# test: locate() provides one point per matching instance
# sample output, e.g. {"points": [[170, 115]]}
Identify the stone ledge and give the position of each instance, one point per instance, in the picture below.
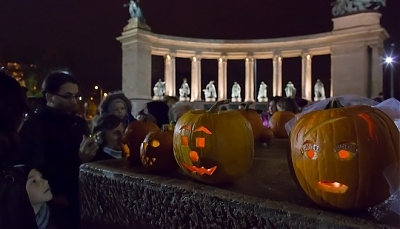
{"points": [[116, 195]]}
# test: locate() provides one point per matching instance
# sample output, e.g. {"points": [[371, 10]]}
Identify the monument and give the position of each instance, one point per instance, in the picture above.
{"points": [[236, 89], [159, 90], [262, 93], [137, 19], [209, 92], [319, 91], [184, 91], [290, 90]]}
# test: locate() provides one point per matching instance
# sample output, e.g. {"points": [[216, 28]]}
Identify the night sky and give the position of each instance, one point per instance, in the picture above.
{"points": [[81, 34]]}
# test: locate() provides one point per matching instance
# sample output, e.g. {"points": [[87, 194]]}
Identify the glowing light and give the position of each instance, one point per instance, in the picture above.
{"points": [[91, 98], [96, 87], [105, 94], [389, 60], [80, 98]]}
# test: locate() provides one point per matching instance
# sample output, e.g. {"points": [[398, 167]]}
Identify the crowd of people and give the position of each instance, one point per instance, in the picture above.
{"points": [[41, 151]]}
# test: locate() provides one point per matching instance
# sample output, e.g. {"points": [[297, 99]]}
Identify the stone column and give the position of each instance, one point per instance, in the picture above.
{"points": [[222, 79], [249, 80], [349, 69], [376, 70], [169, 75], [277, 76], [196, 79], [306, 81]]}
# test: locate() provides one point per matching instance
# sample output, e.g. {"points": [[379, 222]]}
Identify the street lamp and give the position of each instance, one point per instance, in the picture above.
{"points": [[389, 61], [101, 91]]}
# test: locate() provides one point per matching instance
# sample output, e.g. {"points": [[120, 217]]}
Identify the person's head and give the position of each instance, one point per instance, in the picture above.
{"points": [[170, 100], [178, 109], [116, 103], [13, 105], [111, 130], [287, 104], [159, 110], [272, 104], [61, 91], [38, 189], [242, 106]]}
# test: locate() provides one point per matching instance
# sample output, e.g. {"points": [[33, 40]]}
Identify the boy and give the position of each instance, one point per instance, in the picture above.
{"points": [[39, 193]]}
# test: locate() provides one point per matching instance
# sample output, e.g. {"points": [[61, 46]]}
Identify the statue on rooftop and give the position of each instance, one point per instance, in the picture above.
{"points": [[290, 90], [342, 7], [135, 11], [319, 91]]}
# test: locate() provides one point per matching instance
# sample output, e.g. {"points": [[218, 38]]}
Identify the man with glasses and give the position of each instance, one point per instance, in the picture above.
{"points": [[56, 141]]}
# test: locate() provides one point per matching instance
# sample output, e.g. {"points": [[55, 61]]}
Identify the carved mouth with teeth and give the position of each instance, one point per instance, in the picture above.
{"points": [[200, 170], [332, 187], [148, 160]]}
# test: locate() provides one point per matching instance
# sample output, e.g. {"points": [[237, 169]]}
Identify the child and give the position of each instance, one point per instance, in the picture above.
{"points": [[39, 193]]}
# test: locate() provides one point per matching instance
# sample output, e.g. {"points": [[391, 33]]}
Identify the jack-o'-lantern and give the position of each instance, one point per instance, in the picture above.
{"points": [[135, 134], [254, 119], [277, 123], [266, 135], [213, 146], [338, 155], [156, 152]]}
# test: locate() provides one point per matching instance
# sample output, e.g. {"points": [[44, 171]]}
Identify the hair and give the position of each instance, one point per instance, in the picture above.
{"points": [[177, 109], [13, 106], [159, 110], [288, 104], [53, 82], [104, 106], [106, 122], [275, 99], [170, 100]]}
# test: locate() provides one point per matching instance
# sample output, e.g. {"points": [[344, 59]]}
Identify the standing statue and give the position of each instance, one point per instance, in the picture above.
{"points": [[262, 93], [159, 90], [290, 90], [135, 11], [210, 93], [341, 7], [184, 91], [236, 89], [319, 91]]}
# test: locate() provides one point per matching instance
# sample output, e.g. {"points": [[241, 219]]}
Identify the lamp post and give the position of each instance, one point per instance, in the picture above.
{"points": [[389, 61], [101, 92]]}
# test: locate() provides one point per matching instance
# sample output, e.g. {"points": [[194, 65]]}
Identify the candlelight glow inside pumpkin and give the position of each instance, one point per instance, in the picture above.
{"points": [[338, 155], [213, 146]]}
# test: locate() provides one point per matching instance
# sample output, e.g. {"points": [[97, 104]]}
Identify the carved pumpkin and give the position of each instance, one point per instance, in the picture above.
{"points": [[135, 134], [213, 146], [254, 119], [338, 155], [277, 123], [156, 151], [266, 135]]}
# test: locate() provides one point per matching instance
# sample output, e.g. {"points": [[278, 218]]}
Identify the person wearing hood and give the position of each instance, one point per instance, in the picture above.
{"points": [[159, 110], [118, 104]]}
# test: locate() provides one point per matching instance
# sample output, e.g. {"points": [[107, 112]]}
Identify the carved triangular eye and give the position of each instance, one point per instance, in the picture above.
{"points": [[155, 143]]}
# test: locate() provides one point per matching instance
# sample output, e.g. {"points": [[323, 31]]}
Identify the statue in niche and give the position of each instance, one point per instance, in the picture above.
{"points": [[262, 93], [236, 89], [159, 90], [290, 90], [184, 91], [341, 7], [135, 11], [319, 91], [210, 93]]}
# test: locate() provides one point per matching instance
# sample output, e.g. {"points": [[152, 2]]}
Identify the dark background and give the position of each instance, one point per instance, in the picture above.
{"points": [[81, 35]]}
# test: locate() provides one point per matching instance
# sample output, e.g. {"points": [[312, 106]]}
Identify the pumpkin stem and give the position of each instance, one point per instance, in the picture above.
{"points": [[247, 106], [215, 107], [334, 103]]}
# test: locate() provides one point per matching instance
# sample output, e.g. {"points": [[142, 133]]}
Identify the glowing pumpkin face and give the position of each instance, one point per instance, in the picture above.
{"points": [[213, 146], [338, 156], [156, 152]]}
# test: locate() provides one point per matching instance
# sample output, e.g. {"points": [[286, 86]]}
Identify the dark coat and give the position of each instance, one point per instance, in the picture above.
{"points": [[50, 142]]}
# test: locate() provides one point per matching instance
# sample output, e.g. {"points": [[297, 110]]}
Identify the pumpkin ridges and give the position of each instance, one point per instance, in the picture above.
{"points": [[254, 119], [277, 123]]}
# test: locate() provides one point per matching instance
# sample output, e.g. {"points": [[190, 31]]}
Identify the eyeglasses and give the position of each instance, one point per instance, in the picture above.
{"points": [[69, 97]]}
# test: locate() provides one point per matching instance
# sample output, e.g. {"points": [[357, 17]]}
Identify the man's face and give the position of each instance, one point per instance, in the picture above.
{"points": [[66, 99]]}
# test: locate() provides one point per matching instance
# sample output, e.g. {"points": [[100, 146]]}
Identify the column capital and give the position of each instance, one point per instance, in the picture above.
{"points": [[222, 59], [277, 57], [195, 58], [249, 59], [306, 55], [169, 56]]}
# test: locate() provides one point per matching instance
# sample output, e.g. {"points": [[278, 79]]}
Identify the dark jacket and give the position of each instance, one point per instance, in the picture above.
{"points": [[50, 142]]}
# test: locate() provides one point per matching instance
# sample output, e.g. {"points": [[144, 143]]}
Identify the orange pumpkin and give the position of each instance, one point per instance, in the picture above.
{"points": [[135, 134], [338, 155], [277, 123], [266, 135], [254, 119], [156, 151], [213, 146]]}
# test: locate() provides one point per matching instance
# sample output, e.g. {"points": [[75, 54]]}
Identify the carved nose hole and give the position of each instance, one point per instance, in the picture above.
{"points": [[193, 156]]}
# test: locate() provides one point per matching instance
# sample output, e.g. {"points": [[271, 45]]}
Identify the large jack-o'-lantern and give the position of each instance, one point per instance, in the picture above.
{"points": [[338, 155], [213, 146], [156, 151]]}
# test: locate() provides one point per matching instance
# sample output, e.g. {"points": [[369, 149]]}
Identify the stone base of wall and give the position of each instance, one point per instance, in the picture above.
{"points": [[116, 195]]}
